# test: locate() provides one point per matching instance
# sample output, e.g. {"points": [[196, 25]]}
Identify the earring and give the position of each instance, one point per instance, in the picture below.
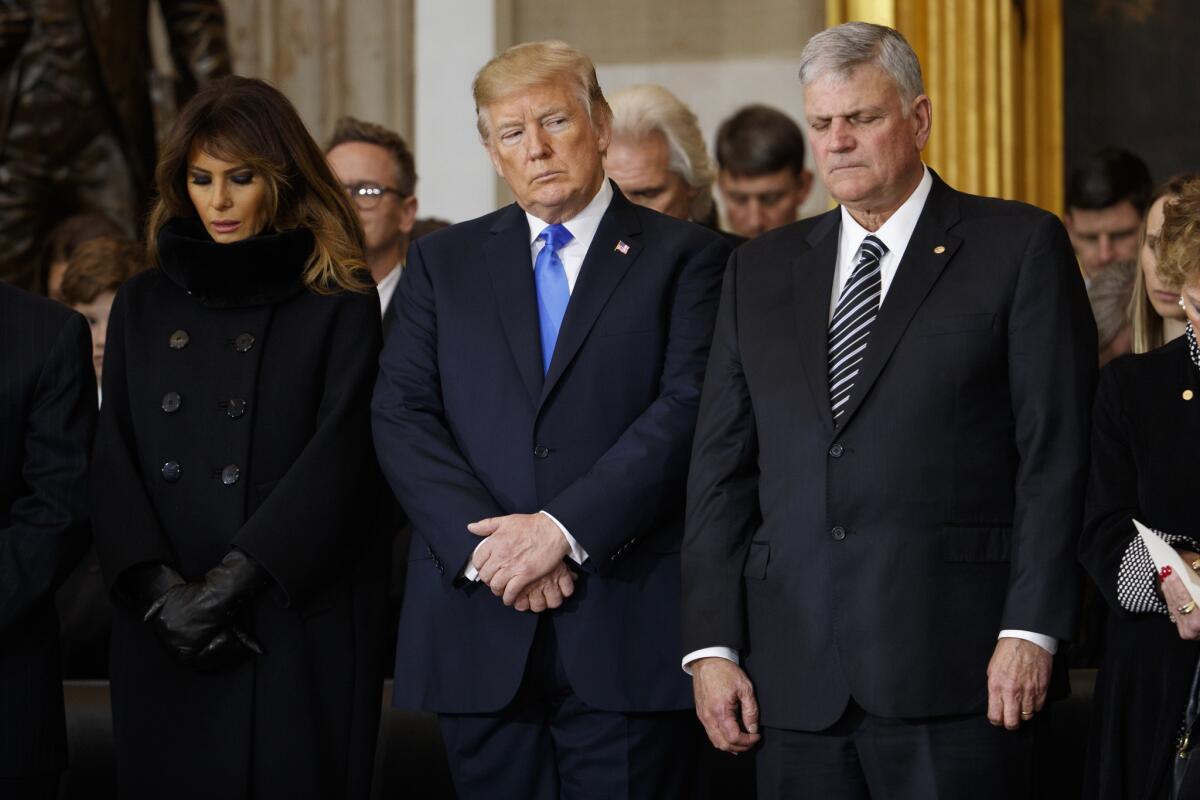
{"points": [[1181, 305]]}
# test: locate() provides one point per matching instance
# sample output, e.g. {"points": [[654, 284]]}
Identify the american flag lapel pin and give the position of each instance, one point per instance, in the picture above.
{"points": [[622, 248]]}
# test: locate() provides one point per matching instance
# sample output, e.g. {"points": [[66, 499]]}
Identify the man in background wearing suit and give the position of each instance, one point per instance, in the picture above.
{"points": [[47, 417], [889, 466], [534, 413], [377, 170]]}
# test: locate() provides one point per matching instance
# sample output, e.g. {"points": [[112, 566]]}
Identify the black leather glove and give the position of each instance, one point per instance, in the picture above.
{"points": [[195, 620]]}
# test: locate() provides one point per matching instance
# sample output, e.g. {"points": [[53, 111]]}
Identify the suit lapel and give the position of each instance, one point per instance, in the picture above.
{"points": [[812, 287], [603, 267], [915, 276], [511, 268]]}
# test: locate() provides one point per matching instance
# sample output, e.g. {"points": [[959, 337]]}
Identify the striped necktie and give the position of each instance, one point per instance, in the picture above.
{"points": [[856, 309]]}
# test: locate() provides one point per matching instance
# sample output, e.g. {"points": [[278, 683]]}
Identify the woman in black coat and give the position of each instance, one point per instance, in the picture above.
{"points": [[1146, 430], [237, 495]]}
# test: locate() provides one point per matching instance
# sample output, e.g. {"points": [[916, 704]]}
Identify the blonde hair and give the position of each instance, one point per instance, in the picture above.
{"points": [[532, 64], [1145, 321], [248, 121], [642, 111], [1178, 247]]}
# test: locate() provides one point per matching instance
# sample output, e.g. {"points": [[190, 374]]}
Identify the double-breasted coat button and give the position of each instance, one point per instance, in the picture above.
{"points": [[171, 402], [236, 407], [243, 342], [836, 451], [171, 471], [230, 475], [838, 533], [541, 451], [179, 340]]}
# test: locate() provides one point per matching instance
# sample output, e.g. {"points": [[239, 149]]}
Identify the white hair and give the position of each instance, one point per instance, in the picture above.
{"points": [[840, 49], [641, 111]]}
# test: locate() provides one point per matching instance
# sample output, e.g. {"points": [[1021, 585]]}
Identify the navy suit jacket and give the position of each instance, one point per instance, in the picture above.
{"points": [[47, 417], [467, 427], [880, 558]]}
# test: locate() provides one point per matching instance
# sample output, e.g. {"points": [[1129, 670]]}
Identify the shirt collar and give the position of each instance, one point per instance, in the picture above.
{"points": [[584, 224], [899, 227]]}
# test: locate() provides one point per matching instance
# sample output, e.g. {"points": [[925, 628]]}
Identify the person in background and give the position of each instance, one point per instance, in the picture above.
{"points": [[237, 499], [96, 269], [760, 170], [1107, 196], [657, 154], [62, 241], [1109, 297], [1155, 313], [1145, 427], [378, 172]]}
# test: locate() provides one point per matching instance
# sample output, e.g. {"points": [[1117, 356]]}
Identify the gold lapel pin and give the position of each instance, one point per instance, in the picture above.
{"points": [[1188, 394], [941, 248]]}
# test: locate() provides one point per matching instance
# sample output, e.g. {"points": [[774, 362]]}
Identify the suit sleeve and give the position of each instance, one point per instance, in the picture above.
{"points": [[1052, 375], [631, 485], [46, 530], [317, 518], [722, 493], [431, 478], [198, 42], [125, 527]]}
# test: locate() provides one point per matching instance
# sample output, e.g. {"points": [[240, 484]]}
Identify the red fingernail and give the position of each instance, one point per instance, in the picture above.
{"points": [[1166, 571]]}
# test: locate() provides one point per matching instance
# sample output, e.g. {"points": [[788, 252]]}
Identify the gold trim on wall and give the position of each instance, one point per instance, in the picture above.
{"points": [[994, 73]]}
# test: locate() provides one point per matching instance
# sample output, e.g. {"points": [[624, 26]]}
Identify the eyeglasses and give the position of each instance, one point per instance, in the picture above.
{"points": [[368, 195]]}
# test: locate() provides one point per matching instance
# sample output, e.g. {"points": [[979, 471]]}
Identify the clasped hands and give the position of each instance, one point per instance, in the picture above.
{"points": [[1179, 601], [521, 561], [195, 620]]}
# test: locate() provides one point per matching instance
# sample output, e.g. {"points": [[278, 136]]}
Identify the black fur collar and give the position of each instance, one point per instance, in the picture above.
{"points": [[262, 270]]}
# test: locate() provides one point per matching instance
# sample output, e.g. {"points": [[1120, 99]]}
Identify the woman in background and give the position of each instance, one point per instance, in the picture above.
{"points": [[1154, 313], [236, 494], [1146, 426]]}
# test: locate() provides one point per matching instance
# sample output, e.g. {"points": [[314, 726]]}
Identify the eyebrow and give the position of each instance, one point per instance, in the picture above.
{"points": [[239, 168], [854, 112]]}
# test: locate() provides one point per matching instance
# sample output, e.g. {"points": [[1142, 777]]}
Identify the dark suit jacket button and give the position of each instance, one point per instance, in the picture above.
{"points": [[171, 471], [171, 402], [541, 452], [243, 342], [838, 533], [230, 475], [836, 451], [236, 407], [179, 340]]}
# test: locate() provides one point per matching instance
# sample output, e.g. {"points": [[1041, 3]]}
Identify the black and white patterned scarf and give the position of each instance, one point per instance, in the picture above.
{"points": [[1193, 348]]}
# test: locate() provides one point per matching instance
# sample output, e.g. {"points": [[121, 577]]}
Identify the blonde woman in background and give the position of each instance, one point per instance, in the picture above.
{"points": [[1154, 311]]}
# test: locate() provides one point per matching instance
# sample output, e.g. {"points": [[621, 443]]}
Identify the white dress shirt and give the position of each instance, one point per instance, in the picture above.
{"points": [[387, 287], [583, 229], [895, 233]]}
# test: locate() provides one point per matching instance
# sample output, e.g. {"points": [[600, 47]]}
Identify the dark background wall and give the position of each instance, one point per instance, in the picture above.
{"points": [[1132, 72]]}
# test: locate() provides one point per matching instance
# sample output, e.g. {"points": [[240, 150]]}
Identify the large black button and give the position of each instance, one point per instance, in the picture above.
{"points": [[171, 471], [243, 342], [838, 533], [541, 452], [171, 402], [230, 475], [236, 407], [179, 340], [836, 451]]}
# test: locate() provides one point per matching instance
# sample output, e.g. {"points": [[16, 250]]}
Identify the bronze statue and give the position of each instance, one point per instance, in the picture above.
{"points": [[76, 121]]}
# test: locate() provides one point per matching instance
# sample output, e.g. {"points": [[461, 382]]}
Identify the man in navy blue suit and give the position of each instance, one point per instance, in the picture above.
{"points": [[534, 415]]}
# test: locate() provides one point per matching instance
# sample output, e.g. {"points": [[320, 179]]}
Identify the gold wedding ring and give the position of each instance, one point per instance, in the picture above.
{"points": [[1195, 565], [1026, 715], [1187, 607]]}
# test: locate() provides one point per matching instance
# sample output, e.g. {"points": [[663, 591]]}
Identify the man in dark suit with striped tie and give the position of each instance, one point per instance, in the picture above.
{"points": [[888, 473], [47, 416]]}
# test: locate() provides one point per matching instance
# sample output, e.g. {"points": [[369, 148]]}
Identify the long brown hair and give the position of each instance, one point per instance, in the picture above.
{"points": [[1145, 322], [246, 120]]}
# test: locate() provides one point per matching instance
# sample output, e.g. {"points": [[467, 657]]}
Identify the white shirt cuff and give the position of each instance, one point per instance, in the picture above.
{"points": [[710, 652], [577, 554], [1047, 643]]}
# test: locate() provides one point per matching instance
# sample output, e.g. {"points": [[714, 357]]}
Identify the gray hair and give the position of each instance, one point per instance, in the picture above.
{"points": [[842, 48], [641, 111], [1109, 297]]}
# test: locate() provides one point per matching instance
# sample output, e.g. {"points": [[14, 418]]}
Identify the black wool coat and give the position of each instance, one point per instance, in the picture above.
{"points": [[236, 414], [1145, 429]]}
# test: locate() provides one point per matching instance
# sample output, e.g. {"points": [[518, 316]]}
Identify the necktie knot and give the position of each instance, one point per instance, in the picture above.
{"points": [[555, 236], [872, 247]]}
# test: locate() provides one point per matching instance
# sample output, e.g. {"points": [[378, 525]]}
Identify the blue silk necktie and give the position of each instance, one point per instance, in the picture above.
{"points": [[553, 293]]}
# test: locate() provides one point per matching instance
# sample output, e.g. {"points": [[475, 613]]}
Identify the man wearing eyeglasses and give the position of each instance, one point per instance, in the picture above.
{"points": [[376, 167]]}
